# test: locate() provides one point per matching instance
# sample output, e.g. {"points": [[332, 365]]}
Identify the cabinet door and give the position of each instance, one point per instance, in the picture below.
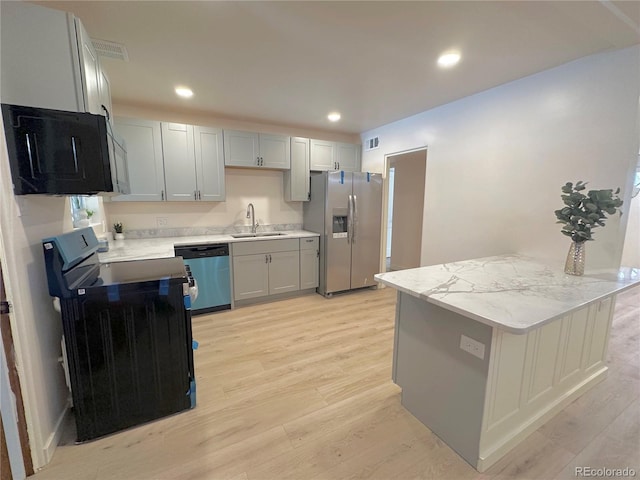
{"points": [[275, 151], [323, 155], [179, 162], [348, 157], [309, 269], [105, 93], [209, 164], [296, 179], [284, 272], [40, 60], [143, 140], [250, 276], [240, 149], [90, 71]]}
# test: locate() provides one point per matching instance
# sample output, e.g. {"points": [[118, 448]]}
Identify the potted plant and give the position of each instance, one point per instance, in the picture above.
{"points": [[118, 229], [581, 214]]}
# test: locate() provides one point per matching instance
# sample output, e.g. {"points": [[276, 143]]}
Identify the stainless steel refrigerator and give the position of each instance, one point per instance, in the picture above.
{"points": [[346, 210]]}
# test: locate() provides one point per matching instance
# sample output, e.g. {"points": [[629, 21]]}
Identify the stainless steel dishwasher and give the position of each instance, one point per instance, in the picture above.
{"points": [[209, 264]]}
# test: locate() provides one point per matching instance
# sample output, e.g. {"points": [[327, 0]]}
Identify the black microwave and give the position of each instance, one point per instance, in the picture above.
{"points": [[62, 153]]}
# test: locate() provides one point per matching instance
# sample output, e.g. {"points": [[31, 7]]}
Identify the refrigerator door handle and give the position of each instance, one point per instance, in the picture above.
{"points": [[349, 219], [354, 218]]}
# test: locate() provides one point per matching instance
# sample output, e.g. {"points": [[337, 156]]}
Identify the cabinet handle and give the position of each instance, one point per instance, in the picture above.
{"points": [[338, 165], [75, 155], [199, 195], [317, 253], [269, 258], [33, 175], [266, 258], [162, 195], [195, 194]]}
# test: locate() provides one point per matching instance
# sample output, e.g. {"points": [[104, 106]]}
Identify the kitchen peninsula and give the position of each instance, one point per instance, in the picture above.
{"points": [[487, 350]]}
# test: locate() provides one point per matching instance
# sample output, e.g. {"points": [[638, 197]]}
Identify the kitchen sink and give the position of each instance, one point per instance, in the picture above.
{"points": [[250, 235]]}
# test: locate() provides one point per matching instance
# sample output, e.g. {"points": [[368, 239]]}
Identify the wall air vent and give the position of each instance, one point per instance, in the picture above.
{"points": [[105, 48], [372, 143]]}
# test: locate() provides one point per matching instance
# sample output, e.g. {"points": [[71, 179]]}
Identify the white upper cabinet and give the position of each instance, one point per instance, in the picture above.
{"points": [[143, 141], [323, 155], [329, 156], [348, 157], [105, 94], [296, 180], [256, 150], [48, 60], [172, 161], [209, 163], [90, 71], [275, 151], [179, 162]]}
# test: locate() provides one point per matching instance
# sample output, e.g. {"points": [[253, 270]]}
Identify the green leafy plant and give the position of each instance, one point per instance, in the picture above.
{"points": [[584, 212], [118, 227], [90, 213]]}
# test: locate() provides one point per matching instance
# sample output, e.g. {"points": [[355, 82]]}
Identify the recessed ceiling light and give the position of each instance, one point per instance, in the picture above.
{"points": [[184, 92], [333, 116], [448, 59]]}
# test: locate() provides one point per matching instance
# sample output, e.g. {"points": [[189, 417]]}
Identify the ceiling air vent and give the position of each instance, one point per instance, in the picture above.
{"points": [[372, 143], [105, 48]]}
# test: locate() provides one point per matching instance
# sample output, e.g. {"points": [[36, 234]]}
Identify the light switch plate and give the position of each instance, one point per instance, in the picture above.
{"points": [[472, 346]]}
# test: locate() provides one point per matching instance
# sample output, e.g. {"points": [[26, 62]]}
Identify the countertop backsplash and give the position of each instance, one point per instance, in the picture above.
{"points": [[212, 230]]}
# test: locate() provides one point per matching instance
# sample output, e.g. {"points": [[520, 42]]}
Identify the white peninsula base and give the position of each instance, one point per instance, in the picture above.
{"points": [[524, 360]]}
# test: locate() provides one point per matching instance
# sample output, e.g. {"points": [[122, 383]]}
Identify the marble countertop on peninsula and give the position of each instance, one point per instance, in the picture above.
{"points": [[162, 247], [513, 292]]}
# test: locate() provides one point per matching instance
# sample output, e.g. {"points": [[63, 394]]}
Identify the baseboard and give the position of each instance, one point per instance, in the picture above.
{"points": [[54, 439], [488, 458]]}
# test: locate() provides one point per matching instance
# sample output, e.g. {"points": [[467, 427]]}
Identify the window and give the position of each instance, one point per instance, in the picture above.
{"points": [[86, 211]]}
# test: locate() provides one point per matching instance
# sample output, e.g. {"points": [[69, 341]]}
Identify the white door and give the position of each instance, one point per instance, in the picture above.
{"points": [[323, 155], [296, 179], [348, 157], [90, 71], [143, 139], [209, 164], [179, 162], [284, 272], [250, 276], [241, 149], [275, 151], [105, 93]]}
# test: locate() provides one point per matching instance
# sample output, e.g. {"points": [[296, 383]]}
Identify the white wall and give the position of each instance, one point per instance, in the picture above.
{"points": [[36, 327], [497, 159], [264, 188]]}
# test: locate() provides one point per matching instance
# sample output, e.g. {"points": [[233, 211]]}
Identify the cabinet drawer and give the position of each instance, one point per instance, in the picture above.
{"points": [[265, 246], [309, 243]]}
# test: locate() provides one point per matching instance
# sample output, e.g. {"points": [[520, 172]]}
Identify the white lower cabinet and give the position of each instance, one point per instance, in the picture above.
{"points": [[265, 267], [250, 276], [309, 263]]}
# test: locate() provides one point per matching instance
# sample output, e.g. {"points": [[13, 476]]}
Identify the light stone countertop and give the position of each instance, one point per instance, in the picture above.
{"points": [[512, 292], [162, 247]]}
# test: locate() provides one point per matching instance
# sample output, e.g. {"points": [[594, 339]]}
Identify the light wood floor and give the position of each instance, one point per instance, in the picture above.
{"points": [[301, 389]]}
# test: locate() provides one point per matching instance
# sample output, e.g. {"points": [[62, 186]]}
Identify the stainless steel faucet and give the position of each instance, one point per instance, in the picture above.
{"points": [[251, 213]]}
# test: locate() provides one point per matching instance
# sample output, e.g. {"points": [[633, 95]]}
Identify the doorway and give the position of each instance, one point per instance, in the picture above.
{"points": [[406, 174]]}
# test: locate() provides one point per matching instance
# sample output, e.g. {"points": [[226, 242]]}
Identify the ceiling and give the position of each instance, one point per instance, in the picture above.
{"points": [[291, 63]]}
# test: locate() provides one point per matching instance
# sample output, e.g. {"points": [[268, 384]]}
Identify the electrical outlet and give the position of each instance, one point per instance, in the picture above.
{"points": [[472, 346], [162, 221]]}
